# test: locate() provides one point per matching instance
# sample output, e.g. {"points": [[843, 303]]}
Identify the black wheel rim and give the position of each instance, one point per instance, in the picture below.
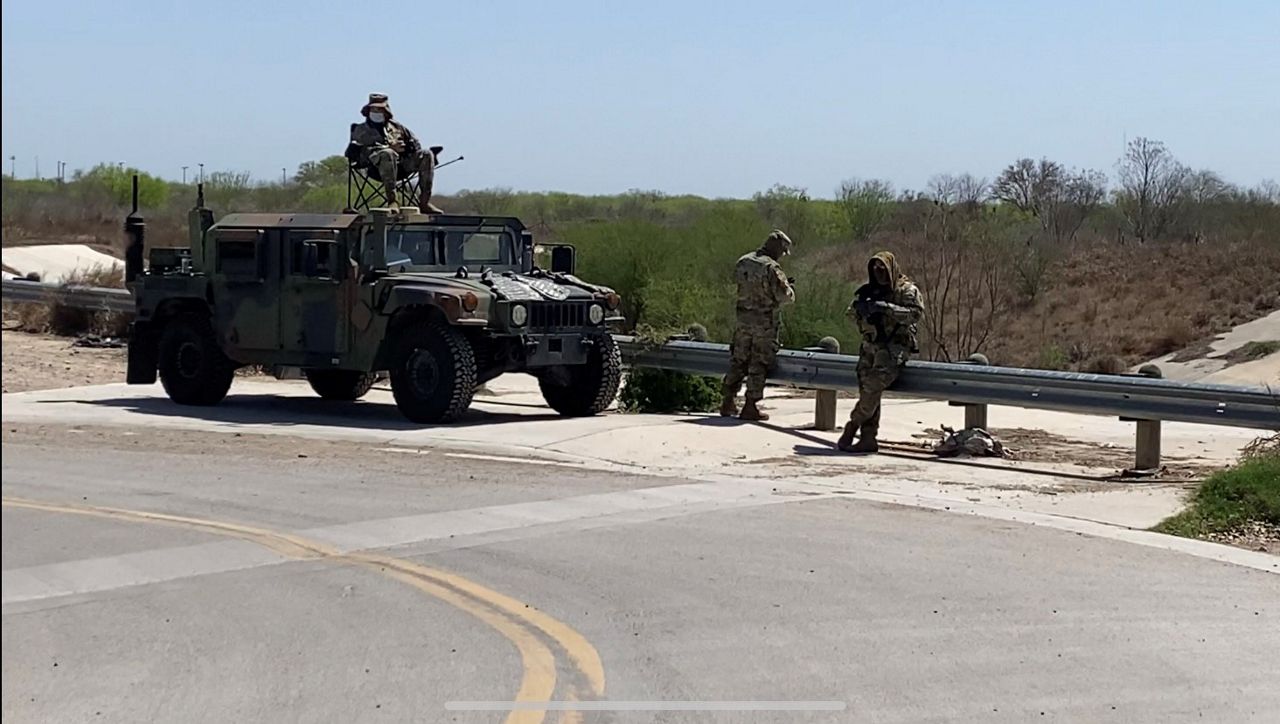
{"points": [[189, 359], [424, 373]]}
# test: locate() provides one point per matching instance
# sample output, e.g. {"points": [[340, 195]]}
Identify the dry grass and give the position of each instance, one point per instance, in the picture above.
{"points": [[1251, 351], [1103, 307], [1136, 303]]}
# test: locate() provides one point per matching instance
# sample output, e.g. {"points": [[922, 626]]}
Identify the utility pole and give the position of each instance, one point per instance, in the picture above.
{"points": [[37, 168], [13, 167], [283, 179], [184, 175], [202, 173]]}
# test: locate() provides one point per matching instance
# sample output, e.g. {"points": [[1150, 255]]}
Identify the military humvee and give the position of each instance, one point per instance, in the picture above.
{"points": [[440, 303]]}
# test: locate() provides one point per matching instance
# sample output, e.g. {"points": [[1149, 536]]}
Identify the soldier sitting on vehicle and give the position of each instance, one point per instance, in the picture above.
{"points": [[391, 148]]}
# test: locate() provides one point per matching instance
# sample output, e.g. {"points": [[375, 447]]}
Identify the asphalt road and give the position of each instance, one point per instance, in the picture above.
{"points": [[303, 581]]}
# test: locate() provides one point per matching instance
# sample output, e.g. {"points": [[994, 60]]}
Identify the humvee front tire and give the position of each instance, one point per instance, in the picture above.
{"points": [[433, 373], [192, 367], [341, 385], [591, 387]]}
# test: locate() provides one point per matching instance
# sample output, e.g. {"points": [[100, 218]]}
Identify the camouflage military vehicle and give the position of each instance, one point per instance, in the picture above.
{"points": [[440, 303]]}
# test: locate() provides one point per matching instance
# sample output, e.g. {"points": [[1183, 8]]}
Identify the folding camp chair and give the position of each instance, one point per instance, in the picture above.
{"points": [[365, 187]]}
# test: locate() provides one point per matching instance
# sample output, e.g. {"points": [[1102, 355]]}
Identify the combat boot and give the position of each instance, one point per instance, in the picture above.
{"points": [[845, 443], [865, 446], [751, 413], [728, 408], [425, 205], [389, 188]]}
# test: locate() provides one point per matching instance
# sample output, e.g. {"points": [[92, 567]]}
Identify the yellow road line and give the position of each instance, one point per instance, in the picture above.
{"points": [[493, 608], [584, 655]]}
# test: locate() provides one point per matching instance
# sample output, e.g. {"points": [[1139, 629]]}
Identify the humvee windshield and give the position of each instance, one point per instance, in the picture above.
{"points": [[424, 248]]}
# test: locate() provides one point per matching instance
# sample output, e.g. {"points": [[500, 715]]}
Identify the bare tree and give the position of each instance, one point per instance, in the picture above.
{"points": [[867, 205], [1018, 185], [962, 270], [963, 190], [1061, 200], [1153, 188], [1266, 192], [1206, 187]]}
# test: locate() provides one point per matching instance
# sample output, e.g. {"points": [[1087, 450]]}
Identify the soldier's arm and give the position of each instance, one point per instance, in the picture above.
{"points": [[782, 291], [911, 310], [856, 307], [410, 141], [852, 310], [363, 137]]}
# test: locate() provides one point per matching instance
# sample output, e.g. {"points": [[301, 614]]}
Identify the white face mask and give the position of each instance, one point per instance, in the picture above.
{"points": [[377, 117]]}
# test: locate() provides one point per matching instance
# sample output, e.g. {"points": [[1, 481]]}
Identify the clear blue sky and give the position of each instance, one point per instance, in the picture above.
{"points": [[712, 98]]}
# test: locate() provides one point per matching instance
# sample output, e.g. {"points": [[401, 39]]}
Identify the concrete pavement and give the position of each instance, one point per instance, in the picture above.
{"points": [[513, 422], [1213, 368], [734, 589]]}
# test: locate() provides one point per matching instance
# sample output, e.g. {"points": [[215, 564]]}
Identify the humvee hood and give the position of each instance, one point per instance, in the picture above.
{"points": [[523, 288], [512, 287]]}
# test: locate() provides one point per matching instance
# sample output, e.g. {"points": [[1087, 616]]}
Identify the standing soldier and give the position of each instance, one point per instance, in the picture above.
{"points": [[886, 309], [762, 290]]}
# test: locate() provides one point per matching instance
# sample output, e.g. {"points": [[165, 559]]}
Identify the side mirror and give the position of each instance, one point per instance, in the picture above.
{"points": [[563, 259]]}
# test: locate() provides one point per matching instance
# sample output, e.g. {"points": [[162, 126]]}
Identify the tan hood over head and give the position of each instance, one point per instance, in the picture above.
{"points": [[895, 274]]}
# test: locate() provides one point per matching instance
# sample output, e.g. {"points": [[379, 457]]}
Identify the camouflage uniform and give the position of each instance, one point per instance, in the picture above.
{"points": [[886, 316], [394, 151], [762, 290]]}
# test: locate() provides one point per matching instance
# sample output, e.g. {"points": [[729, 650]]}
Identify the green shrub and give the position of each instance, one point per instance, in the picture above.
{"points": [[1052, 358], [1247, 492], [666, 392]]}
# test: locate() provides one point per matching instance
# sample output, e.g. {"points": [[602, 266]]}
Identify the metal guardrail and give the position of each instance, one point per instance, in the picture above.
{"points": [[1125, 396], [111, 300], [1129, 397]]}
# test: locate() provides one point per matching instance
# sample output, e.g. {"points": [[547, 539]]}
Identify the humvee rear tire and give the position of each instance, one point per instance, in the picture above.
{"points": [[192, 367], [433, 373], [341, 385], [592, 386]]}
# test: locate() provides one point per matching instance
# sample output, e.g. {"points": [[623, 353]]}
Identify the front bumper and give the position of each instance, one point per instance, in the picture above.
{"points": [[551, 350]]}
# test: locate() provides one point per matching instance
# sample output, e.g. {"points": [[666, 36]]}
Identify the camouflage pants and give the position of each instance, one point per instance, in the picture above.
{"points": [[878, 367], [393, 166], [751, 355]]}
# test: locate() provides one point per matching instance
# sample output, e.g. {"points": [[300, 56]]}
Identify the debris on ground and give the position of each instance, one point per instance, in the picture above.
{"points": [[1254, 535], [95, 341], [1134, 473], [971, 441]]}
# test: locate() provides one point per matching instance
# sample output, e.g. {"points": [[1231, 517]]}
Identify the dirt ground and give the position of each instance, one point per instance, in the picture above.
{"points": [[42, 362]]}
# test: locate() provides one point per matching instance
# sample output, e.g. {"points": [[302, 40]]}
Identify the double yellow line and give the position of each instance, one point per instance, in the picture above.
{"points": [[524, 626]]}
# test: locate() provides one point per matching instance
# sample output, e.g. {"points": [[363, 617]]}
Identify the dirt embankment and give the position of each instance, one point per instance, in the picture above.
{"points": [[41, 362]]}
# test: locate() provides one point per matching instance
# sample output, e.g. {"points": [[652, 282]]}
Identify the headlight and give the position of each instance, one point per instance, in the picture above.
{"points": [[519, 314], [596, 313], [470, 301], [613, 300]]}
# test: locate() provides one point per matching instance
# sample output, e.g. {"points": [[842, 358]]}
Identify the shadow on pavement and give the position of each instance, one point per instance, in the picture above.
{"points": [[256, 409], [822, 447], [715, 421]]}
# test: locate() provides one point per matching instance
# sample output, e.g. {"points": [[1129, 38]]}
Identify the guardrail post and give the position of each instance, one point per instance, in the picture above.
{"points": [[975, 415], [1147, 443], [824, 405]]}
